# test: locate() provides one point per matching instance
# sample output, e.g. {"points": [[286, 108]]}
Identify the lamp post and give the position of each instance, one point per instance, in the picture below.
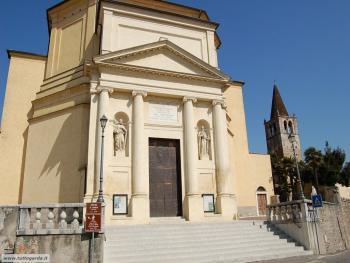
{"points": [[103, 122], [301, 195]]}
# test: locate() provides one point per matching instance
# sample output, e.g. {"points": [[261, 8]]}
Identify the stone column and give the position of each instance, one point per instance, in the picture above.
{"points": [[103, 101], [225, 203], [140, 200], [194, 203]]}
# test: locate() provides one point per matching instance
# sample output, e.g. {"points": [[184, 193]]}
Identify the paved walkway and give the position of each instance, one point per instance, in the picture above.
{"points": [[342, 257]]}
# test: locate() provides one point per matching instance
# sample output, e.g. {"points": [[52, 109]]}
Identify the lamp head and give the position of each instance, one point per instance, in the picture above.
{"points": [[103, 121]]}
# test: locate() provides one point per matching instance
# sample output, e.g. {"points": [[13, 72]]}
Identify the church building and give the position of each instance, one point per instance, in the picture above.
{"points": [[175, 140]]}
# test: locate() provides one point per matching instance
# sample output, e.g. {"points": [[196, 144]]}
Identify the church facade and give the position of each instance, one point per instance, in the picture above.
{"points": [[175, 142]]}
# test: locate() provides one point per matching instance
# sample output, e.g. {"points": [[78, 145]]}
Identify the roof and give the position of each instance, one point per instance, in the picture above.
{"points": [[278, 108], [11, 52], [160, 6]]}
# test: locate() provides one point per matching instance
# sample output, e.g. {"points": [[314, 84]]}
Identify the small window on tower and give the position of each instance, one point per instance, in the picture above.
{"points": [[285, 126]]}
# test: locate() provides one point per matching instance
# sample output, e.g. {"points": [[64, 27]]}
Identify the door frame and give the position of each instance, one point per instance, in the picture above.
{"points": [[257, 200], [178, 169]]}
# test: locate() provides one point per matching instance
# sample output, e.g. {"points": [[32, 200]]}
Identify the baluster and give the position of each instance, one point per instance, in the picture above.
{"points": [[75, 223], [289, 212], [63, 222], [50, 217], [37, 224]]}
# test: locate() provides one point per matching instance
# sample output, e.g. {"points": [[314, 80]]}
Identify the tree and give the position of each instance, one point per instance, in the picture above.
{"points": [[344, 177], [283, 176], [313, 160], [333, 161]]}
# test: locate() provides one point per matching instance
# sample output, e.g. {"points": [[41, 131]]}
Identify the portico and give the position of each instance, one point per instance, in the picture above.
{"points": [[175, 108]]}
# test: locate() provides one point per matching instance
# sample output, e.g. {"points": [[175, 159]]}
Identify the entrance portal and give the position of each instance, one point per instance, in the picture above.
{"points": [[164, 177]]}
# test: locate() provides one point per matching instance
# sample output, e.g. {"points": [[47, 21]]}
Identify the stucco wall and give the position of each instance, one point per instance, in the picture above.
{"points": [[25, 76], [249, 170], [56, 157]]}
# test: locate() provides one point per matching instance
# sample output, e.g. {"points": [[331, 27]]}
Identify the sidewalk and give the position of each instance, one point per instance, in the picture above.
{"points": [[341, 257]]}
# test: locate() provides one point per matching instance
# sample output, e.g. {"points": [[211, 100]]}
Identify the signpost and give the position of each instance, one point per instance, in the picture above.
{"points": [[93, 219], [316, 201]]}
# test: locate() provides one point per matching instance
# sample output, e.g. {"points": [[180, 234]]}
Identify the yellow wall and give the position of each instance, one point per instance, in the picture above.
{"points": [[25, 76], [72, 38], [56, 157], [249, 170]]}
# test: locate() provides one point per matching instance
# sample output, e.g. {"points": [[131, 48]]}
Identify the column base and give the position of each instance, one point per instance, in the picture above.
{"points": [[194, 208], [226, 205], [140, 208]]}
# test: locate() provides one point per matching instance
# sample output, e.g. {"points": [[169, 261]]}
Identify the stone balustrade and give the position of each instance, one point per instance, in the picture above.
{"points": [[47, 219], [289, 212]]}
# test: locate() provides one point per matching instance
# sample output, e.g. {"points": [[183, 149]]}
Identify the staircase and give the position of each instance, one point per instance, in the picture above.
{"points": [[178, 241]]}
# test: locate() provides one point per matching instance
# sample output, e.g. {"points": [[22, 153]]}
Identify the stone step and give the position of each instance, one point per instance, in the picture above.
{"points": [[169, 241], [187, 232], [167, 220], [184, 236], [216, 254], [214, 238], [162, 228], [174, 243], [142, 248]]}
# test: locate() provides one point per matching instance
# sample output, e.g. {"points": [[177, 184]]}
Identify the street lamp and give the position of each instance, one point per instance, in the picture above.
{"points": [[292, 140], [103, 122]]}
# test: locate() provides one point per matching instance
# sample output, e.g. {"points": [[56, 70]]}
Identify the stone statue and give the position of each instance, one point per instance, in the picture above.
{"points": [[120, 135], [203, 144]]}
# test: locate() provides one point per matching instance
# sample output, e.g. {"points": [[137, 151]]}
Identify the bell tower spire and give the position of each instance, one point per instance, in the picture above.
{"points": [[279, 127]]}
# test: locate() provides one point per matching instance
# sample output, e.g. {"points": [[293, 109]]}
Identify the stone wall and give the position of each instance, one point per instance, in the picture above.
{"points": [[332, 235], [61, 248], [323, 230], [8, 226]]}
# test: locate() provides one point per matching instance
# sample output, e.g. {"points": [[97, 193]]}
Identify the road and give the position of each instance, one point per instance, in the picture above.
{"points": [[343, 257]]}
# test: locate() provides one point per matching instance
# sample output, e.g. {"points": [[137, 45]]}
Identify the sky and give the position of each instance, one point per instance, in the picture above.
{"points": [[303, 45]]}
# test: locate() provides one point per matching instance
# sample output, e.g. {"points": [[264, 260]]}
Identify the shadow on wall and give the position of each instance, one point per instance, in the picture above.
{"points": [[67, 156]]}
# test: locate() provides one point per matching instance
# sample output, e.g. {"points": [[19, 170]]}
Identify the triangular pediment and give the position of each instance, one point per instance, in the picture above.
{"points": [[162, 56]]}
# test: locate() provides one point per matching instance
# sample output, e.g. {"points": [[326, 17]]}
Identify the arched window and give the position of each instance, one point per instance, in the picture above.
{"points": [[285, 126], [204, 140], [290, 126], [261, 189]]}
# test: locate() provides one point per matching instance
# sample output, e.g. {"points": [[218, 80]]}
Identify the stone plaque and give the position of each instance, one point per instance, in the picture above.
{"points": [[162, 113]]}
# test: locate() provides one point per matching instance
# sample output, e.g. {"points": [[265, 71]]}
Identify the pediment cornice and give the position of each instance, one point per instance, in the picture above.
{"points": [[115, 60]]}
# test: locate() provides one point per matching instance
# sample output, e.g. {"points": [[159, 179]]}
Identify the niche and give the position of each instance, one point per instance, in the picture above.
{"points": [[121, 135], [204, 140]]}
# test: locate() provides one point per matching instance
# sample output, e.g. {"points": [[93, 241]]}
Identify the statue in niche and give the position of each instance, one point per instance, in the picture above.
{"points": [[120, 135], [203, 144]]}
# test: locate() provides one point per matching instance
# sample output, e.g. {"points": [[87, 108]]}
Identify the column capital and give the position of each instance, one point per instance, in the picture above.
{"points": [[139, 92], [221, 102], [99, 89], [193, 99]]}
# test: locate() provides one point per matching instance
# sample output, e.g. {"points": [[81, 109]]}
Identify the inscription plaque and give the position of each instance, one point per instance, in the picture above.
{"points": [[162, 113]]}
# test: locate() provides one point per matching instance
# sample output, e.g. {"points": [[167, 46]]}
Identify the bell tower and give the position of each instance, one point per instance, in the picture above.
{"points": [[279, 128]]}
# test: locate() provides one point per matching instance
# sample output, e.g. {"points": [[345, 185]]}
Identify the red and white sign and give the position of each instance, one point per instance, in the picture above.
{"points": [[93, 217]]}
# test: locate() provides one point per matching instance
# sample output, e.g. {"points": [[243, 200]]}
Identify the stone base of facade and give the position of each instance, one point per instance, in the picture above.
{"points": [[140, 209], [226, 206], [193, 208]]}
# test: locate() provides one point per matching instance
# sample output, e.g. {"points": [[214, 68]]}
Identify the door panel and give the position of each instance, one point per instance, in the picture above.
{"points": [[262, 203], [165, 177]]}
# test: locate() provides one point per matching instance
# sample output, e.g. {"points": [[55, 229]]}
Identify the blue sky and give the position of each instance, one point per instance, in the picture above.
{"points": [[303, 45]]}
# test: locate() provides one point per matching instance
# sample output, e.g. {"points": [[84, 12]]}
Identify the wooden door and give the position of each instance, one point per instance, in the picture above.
{"points": [[164, 178], [262, 203]]}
